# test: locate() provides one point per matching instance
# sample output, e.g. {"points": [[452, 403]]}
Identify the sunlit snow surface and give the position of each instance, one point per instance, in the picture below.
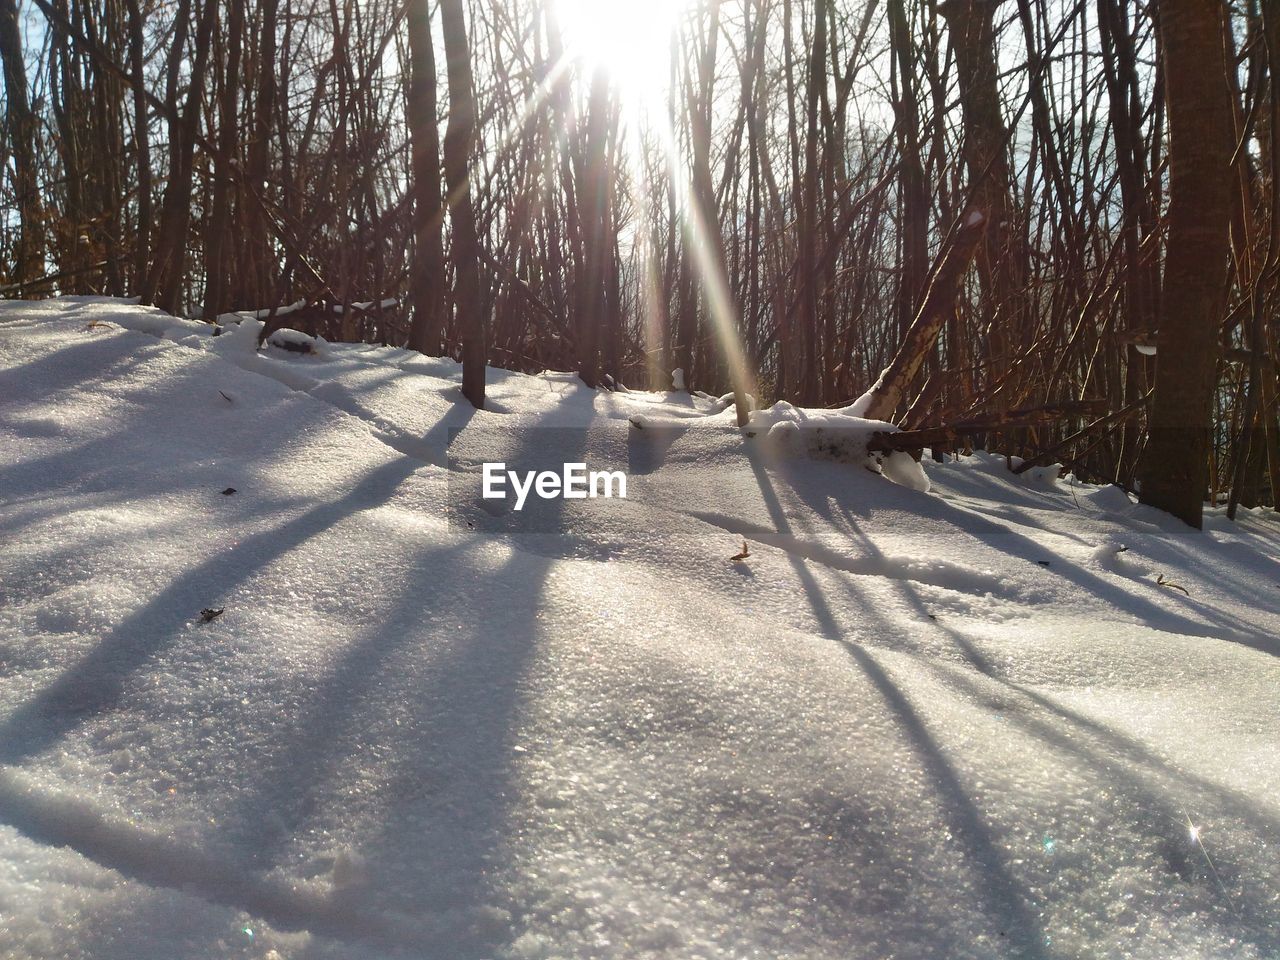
{"points": [[961, 723]]}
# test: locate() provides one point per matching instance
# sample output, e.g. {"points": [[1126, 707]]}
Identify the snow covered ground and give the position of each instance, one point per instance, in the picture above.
{"points": [[955, 723]]}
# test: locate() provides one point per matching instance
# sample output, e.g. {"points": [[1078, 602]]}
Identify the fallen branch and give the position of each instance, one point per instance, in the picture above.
{"points": [[55, 277], [1109, 420], [949, 434], [958, 250]]}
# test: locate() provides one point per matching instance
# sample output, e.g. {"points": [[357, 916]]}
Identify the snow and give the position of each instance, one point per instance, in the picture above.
{"points": [[833, 435], [296, 341], [961, 723], [860, 406], [265, 314], [903, 469], [728, 399]]}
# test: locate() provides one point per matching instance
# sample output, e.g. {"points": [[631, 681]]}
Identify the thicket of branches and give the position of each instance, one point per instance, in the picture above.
{"points": [[972, 193]]}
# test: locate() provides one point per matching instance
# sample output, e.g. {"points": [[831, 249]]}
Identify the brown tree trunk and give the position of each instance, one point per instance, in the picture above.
{"points": [[66, 102], [167, 275], [1001, 264], [20, 128], [459, 147], [341, 21], [141, 144], [1174, 465], [935, 309], [807, 217], [107, 120], [596, 249], [707, 243], [255, 283], [427, 279], [218, 239], [913, 196], [1120, 70]]}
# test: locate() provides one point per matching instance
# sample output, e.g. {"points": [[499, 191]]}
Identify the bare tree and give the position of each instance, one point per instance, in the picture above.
{"points": [[743, 225], [459, 148], [428, 277], [218, 256], [1174, 467], [20, 129]]}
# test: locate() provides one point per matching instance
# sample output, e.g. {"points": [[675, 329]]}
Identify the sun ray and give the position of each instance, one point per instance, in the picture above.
{"points": [[631, 41], [698, 239]]}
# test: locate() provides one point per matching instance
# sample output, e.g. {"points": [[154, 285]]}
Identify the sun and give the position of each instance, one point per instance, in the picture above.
{"points": [[630, 39]]}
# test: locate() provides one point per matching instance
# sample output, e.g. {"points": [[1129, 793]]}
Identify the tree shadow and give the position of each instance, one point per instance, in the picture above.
{"points": [[1008, 542], [1163, 538], [1004, 899], [97, 681], [453, 786], [462, 715], [647, 448], [445, 716], [1146, 778]]}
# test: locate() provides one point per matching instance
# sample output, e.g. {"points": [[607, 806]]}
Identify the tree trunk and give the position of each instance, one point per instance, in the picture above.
{"points": [[66, 102], [938, 304], [807, 216], [218, 238], [707, 239], [459, 146], [1001, 262], [1174, 465], [912, 193], [427, 278], [167, 275], [20, 127], [256, 280], [594, 196], [1120, 70], [141, 144]]}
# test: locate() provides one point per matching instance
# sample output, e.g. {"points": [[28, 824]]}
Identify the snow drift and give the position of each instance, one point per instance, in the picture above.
{"points": [[976, 722]]}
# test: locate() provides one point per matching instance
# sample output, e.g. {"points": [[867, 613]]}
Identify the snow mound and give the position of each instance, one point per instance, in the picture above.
{"points": [[295, 341], [964, 725], [794, 431]]}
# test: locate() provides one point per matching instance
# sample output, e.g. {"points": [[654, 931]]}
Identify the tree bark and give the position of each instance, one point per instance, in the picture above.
{"points": [[1174, 465], [427, 279], [256, 284], [936, 307], [1001, 263], [20, 126], [912, 192], [459, 147], [218, 238], [167, 275], [594, 195], [141, 144]]}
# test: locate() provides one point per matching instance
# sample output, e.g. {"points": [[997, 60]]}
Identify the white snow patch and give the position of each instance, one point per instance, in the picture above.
{"points": [[832, 435], [904, 470], [960, 725]]}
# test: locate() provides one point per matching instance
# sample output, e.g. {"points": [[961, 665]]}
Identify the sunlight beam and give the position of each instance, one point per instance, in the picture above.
{"points": [[711, 272]]}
